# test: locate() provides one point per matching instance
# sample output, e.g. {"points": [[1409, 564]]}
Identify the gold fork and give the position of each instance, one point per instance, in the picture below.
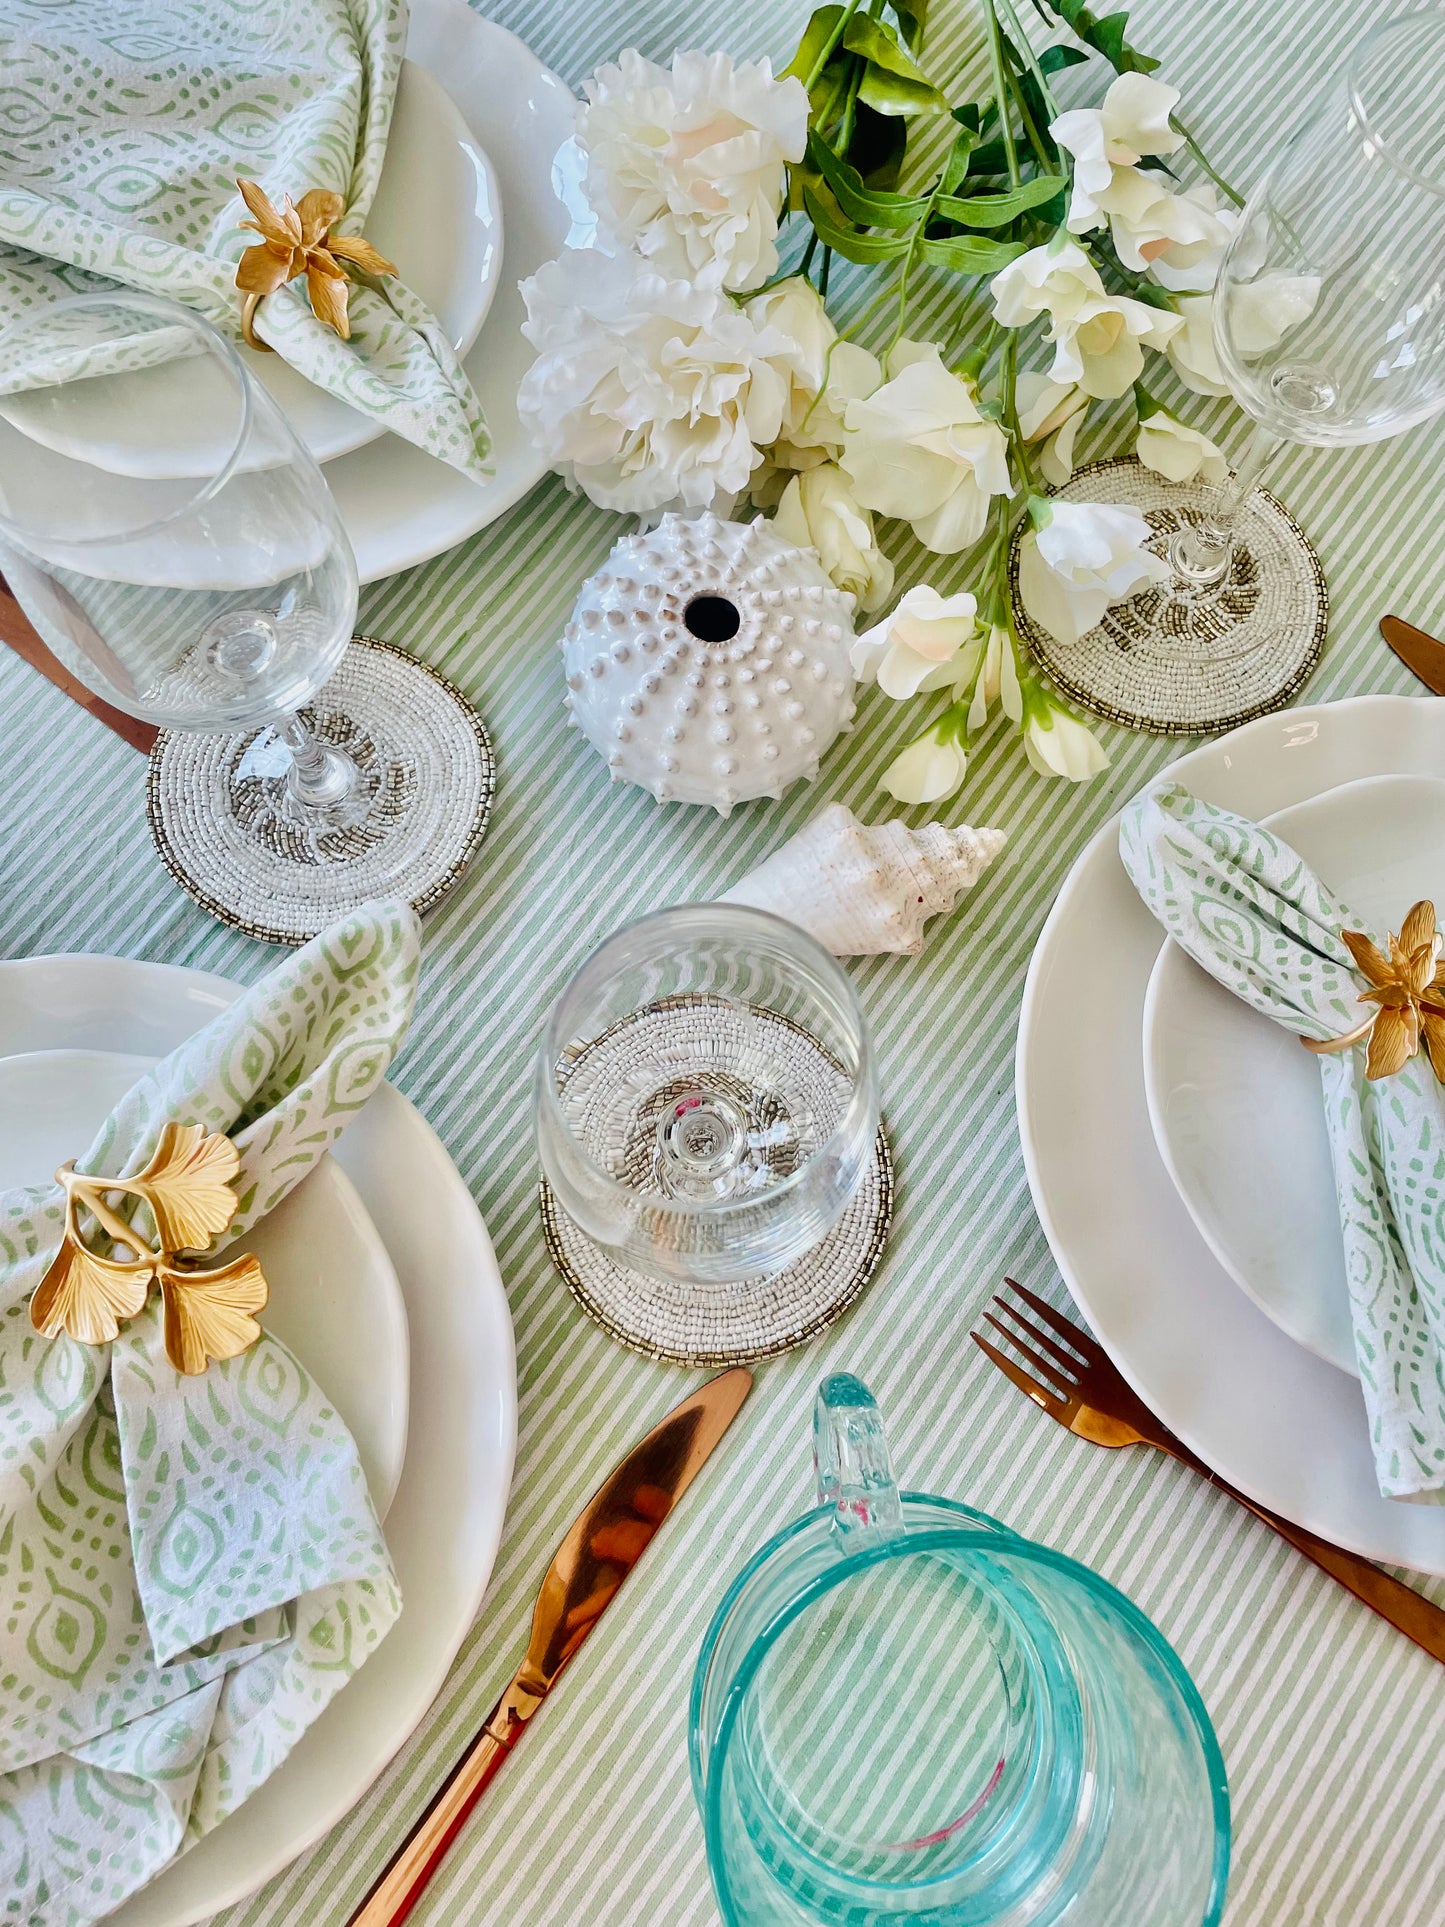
{"points": [[1078, 1384]]}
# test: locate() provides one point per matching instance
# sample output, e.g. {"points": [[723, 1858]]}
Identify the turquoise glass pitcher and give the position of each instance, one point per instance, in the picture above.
{"points": [[904, 1712]]}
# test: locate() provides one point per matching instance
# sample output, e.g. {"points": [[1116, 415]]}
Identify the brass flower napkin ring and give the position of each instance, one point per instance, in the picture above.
{"points": [[1407, 989], [296, 239], [187, 1188]]}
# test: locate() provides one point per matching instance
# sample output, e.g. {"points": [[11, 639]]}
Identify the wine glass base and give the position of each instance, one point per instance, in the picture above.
{"points": [[225, 827], [697, 1323], [1181, 660]]}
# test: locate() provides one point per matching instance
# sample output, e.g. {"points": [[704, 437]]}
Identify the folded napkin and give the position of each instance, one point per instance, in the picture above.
{"points": [[1251, 911], [121, 139], [190, 1567]]}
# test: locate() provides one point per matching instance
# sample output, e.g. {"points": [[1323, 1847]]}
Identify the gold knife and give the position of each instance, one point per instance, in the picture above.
{"points": [[1420, 653], [604, 1543]]}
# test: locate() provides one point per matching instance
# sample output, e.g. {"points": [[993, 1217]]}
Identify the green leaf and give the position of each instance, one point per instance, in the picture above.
{"points": [[959, 157], [997, 210], [870, 207], [816, 35], [1106, 36], [1054, 59], [893, 82], [989, 158], [878, 146], [966, 254], [912, 18], [847, 241]]}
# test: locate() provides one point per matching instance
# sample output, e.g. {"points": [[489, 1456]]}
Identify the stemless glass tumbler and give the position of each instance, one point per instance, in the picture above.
{"points": [[705, 1099], [903, 1712]]}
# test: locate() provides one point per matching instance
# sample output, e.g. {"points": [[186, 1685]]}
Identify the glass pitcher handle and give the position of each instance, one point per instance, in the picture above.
{"points": [[850, 1459]]}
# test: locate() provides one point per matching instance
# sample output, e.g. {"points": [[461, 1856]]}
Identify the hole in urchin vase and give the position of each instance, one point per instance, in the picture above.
{"points": [[712, 618]]}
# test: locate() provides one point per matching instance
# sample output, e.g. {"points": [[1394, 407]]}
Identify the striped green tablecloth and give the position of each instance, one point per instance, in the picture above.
{"points": [[1330, 1722]]}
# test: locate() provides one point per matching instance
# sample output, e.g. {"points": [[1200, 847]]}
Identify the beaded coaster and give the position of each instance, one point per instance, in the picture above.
{"points": [[1149, 663], [724, 1323], [219, 808]]}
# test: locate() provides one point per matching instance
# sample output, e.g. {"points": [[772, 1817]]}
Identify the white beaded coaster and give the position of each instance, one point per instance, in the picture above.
{"points": [[718, 1324], [1148, 664], [218, 815]]}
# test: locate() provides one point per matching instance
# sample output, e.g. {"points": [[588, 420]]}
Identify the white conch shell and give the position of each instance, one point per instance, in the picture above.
{"points": [[860, 888]]}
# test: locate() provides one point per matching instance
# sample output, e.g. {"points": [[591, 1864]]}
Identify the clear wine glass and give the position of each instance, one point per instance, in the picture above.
{"points": [[179, 551], [1329, 311], [706, 1104]]}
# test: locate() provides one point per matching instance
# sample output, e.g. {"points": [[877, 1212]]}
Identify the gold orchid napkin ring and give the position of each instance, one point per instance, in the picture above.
{"points": [[188, 1188], [1407, 988], [296, 239]]}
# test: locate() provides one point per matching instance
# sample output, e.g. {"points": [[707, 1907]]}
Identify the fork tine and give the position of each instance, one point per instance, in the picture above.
{"points": [[1071, 1333], [1050, 1373], [1072, 1364], [1054, 1406]]}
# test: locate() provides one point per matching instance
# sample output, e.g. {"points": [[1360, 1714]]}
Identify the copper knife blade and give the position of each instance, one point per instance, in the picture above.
{"points": [[604, 1543], [18, 632], [1420, 653]]}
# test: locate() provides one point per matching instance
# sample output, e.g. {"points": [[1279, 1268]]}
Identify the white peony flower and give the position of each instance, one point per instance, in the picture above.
{"points": [[1058, 744], [1191, 349], [927, 770], [921, 646], [1099, 338], [1132, 122], [1052, 413], [689, 167], [919, 449], [645, 391], [1175, 450], [996, 679], [818, 511], [822, 374], [1084, 557]]}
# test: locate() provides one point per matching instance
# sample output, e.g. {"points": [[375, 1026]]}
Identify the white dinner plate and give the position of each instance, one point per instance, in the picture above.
{"points": [[446, 1518], [436, 214], [334, 1297], [401, 506], [1234, 1101], [1274, 1420]]}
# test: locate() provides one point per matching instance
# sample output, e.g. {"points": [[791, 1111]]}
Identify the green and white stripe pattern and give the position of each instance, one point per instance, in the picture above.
{"points": [[1329, 1721]]}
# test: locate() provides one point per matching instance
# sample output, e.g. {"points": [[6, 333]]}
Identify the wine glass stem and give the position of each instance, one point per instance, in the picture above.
{"points": [[1200, 552], [320, 775]]}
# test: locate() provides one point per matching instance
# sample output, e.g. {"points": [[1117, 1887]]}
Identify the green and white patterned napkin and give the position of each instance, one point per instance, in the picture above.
{"points": [[190, 1568], [123, 129], [1250, 910]]}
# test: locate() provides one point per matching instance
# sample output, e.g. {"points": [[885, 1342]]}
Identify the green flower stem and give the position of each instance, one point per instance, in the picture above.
{"points": [[1230, 193], [825, 53], [1001, 91], [1025, 47], [1011, 411]]}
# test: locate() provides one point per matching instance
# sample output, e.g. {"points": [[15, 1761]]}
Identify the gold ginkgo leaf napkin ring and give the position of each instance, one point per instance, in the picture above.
{"points": [[187, 1187], [296, 239], [1406, 988]]}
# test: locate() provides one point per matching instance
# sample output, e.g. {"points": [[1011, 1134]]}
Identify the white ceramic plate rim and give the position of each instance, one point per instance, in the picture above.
{"points": [[401, 506], [449, 1508], [1278, 1423]]}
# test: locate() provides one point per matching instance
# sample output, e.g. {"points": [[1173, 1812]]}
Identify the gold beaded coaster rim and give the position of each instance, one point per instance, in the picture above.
{"points": [[1295, 672], [421, 901], [879, 1176]]}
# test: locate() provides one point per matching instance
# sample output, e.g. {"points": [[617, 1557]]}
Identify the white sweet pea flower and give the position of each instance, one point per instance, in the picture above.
{"points": [[822, 375], [1058, 744], [1186, 266], [645, 392], [1191, 350], [818, 511], [689, 166], [1099, 338], [1132, 122], [1150, 223], [996, 679], [921, 645], [1262, 312], [1051, 413], [1175, 450], [919, 449], [927, 770], [1084, 556]]}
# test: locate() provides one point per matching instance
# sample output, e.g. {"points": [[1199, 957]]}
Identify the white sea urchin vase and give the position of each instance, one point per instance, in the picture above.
{"points": [[708, 661]]}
